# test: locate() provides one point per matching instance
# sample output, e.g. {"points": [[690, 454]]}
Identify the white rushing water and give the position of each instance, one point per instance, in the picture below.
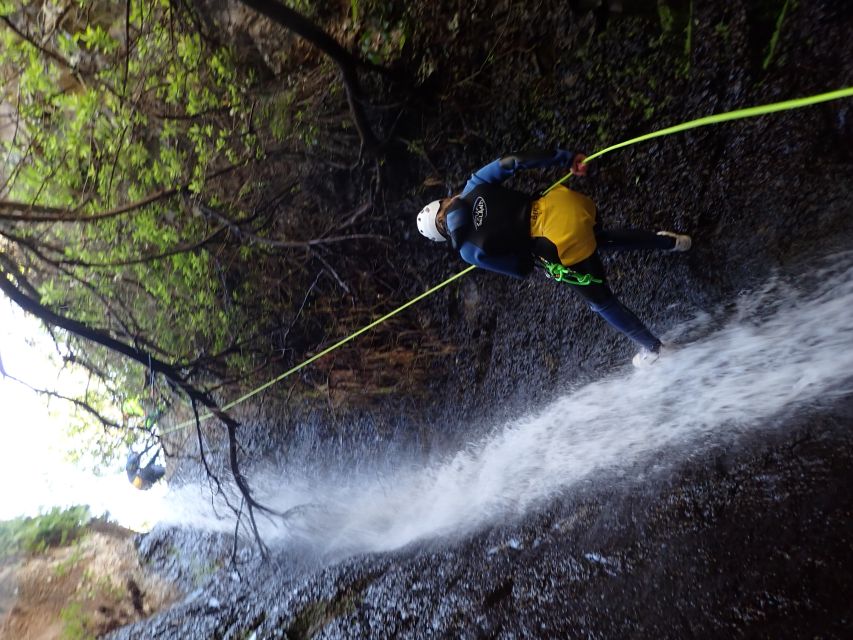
{"points": [[786, 346]]}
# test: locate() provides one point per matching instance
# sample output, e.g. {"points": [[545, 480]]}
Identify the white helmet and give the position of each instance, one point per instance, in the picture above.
{"points": [[426, 222]]}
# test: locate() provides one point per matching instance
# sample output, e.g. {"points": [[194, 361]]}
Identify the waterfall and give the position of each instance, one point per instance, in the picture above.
{"points": [[780, 348]]}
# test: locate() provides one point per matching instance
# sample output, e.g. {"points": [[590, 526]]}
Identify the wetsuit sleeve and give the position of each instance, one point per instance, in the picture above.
{"points": [[132, 461], [501, 169], [152, 473], [132, 465], [506, 264]]}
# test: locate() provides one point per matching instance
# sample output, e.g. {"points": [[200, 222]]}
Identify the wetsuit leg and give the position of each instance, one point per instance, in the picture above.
{"points": [[631, 239], [600, 299], [151, 473]]}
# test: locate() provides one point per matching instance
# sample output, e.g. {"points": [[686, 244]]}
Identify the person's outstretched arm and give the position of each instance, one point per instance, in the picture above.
{"points": [[503, 168], [508, 264]]}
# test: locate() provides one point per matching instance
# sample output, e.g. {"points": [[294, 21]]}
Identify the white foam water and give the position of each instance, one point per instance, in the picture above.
{"points": [[785, 346]]}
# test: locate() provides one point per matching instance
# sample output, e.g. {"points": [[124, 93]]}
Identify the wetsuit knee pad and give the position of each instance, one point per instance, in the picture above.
{"points": [[603, 306]]}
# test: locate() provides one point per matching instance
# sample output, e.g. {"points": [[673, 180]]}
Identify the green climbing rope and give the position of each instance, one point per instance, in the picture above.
{"points": [[750, 112], [558, 272], [326, 351]]}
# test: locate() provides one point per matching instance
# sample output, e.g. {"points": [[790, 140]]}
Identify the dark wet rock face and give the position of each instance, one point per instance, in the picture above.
{"points": [[751, 541], [748, 537], [186, 557]]}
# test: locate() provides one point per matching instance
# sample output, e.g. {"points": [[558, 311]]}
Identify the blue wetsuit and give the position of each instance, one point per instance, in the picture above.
{"points": [[518, 261], [143, 477]]}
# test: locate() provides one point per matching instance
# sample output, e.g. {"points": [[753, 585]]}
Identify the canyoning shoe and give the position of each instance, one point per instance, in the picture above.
{"points": [[682, 241], [645, 358]]}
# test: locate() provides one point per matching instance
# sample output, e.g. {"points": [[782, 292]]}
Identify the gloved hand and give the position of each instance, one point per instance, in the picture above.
{"points": [[578, 166]]}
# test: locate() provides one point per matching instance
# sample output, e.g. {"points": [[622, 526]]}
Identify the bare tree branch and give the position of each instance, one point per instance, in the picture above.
{"points": [[39, 213], [347, 63], [80, 404], [282, 244], [48, 53], [155, 365]]}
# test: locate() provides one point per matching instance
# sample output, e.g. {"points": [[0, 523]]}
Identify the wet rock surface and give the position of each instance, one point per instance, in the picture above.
{"points": [[748, 537], [751, 540]]}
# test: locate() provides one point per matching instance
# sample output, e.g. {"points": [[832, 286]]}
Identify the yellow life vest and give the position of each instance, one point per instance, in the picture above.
{"points": [[566, 218]]}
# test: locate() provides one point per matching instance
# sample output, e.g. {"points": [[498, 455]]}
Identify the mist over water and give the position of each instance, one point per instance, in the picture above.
{"points": [[781, 348]]}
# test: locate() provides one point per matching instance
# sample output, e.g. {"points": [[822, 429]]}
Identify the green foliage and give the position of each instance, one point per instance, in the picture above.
{"points": [[688, 40], [62, 569], [122, 120], [201, 571], [315, 615], [164, 113], [381, 29], [673, 20], [381, 41], [75, 622], [101, 587], [56, 528], [774, 39], [667, 19], [102, 122], [722, 30]]}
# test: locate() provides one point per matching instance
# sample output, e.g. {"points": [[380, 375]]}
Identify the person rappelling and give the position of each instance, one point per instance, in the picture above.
{"points": [[144, 476], [509, 232]]}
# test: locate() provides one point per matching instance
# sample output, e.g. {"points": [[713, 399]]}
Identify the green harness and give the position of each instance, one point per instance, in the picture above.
{"points": [[562, 273]]}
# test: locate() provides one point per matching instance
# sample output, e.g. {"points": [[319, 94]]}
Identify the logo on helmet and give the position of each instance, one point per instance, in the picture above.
{"points": [[479, 211]]}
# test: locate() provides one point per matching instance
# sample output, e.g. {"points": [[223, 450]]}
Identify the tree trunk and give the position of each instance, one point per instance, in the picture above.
{"points": [[347, 62]]}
